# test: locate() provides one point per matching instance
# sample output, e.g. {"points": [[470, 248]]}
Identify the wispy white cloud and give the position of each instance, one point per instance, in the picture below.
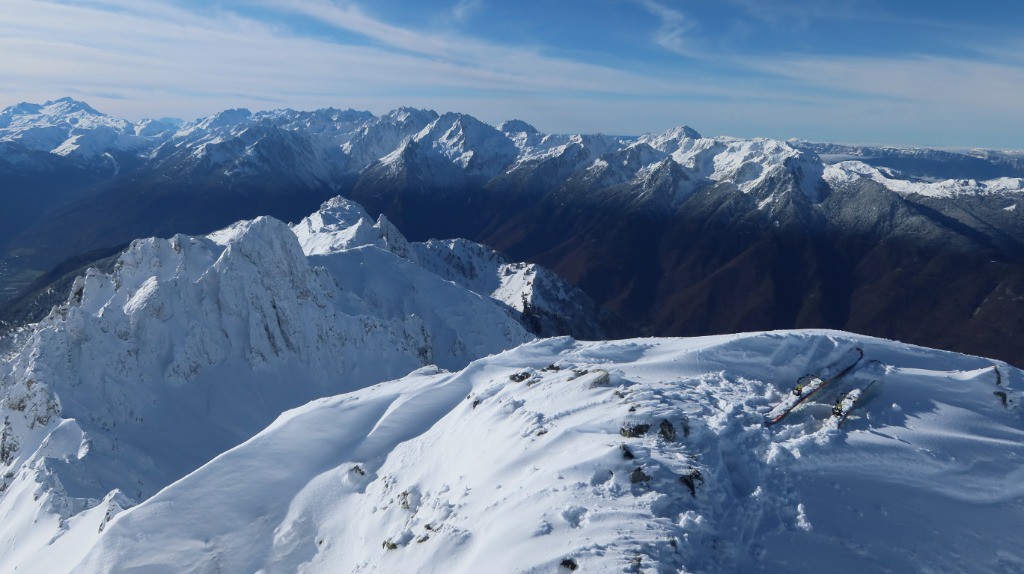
{"points": [[165, 57], [674, 32], [152, 57], [465, 9]]}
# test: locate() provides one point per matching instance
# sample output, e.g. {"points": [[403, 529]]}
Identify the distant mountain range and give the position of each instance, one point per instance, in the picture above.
{"points": [[677, 233]]}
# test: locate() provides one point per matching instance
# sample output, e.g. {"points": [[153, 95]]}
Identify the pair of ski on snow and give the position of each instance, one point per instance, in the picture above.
{"points": [[809, 385]]}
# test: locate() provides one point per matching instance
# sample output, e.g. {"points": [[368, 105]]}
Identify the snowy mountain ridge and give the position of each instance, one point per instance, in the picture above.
{"points": [[850, 171], [192, 344], [645, 455], [445, 149], [536, 296]]}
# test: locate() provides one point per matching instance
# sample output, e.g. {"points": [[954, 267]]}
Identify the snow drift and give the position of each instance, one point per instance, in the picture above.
{"points": [[646, 455]]}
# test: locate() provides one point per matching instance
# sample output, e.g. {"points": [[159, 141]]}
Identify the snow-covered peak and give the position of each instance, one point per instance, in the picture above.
{"points": [[671, 140], [849, 171], [543, 301], [214, 128], [385, 135], [192, 344], [473, 146], [55, 111], [338, 225], [157, 128], [524, 135], [749, 163], [622, 165], [510, 127], [225, 119], [67, 127]]}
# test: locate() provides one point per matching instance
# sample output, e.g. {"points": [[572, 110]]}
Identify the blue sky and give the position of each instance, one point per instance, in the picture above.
{"points": [[937, 73]]}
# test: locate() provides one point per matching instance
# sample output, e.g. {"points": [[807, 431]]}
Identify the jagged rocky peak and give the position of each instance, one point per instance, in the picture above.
{"points": [[225, 121], [405, 115], [672, 139], [381, 136], [469, 143]]}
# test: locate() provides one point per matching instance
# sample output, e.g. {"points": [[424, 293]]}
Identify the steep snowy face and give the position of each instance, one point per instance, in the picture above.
{"points": [[305, 146], [477, 149], [643, 455], [620, 166], [524, 135], [544, 302], [380, 137], [338, 225], [677, 138], [540, 300], [748, 164], [192, 345], [67, 127], [848, 171]]}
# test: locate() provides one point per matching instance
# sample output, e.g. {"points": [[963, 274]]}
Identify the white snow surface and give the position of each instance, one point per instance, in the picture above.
{"points": [[191, 346], [512, 465], [520, 288], [893, 180]]}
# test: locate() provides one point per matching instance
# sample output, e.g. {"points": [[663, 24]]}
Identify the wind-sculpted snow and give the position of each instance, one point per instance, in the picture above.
{"points": [[191, 346], [647, 455]]}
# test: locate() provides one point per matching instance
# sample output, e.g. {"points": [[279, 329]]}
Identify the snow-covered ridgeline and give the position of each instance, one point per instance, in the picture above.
{"points": [[847, 171], [541, 300], [642, 455], [192, 345], [448, 150]]}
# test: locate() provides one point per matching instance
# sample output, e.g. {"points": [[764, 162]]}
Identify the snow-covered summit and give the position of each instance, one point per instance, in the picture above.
{"points": [[475, 147], [192, 344], [646, 455], [67, 127], [542, 301]]}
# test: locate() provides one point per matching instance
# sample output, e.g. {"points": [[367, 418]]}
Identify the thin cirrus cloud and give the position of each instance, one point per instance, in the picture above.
{"points": [[156, 57], [674, 29], [465, 9], [154, 47]]}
